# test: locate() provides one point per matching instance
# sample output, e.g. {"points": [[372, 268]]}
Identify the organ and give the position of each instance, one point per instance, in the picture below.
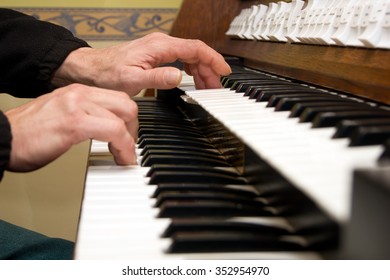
{"points": [[288, 160]]}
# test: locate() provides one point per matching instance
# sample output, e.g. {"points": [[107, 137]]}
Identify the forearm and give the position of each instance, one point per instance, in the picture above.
{"points": [[30, 52], [5, 143]]}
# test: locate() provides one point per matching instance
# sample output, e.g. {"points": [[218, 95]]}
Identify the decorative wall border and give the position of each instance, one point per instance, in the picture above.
{"points": [[107, 23]]}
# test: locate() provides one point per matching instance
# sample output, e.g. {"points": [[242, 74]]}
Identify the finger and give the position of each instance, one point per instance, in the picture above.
{"points": [[160, 77], [122, 157], [187, 68], [199, 83], [113, 131], [95, 110], [170, 49], [132, 127], [208, 77], [115, 101], [197, 52], [206, 66]]}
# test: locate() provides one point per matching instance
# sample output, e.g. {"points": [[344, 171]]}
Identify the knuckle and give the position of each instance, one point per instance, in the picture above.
{"points": [[118, 128], [71, 101], [76, 88], [157, 35], [130, 105], [198, 43], [133, 110], [72, 94], [125, 98]]}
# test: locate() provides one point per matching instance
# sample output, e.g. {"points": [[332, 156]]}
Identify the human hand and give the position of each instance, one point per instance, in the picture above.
{"points": [[48, 126], [133, 66]]}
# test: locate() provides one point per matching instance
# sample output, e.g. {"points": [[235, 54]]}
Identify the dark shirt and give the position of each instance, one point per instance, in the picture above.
{"points": [[30, 52]]}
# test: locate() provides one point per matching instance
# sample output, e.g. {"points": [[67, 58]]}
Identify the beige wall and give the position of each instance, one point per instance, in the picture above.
{"points": [[49, 200]]}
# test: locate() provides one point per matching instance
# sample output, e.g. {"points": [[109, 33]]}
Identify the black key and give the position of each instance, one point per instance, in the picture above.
{"points": [[346, 127], [231, 81], [275, 99], [329, 119], [234, 224], [244, 86], [159, 112], [168, 109], [184, 160], [174, 168], [197, 138], [240, 86], [265, 95], [196, 177], [227, 81], [151, 126], [239, 75], [158, 105], [298, 108], [168, 121], [196, 196], [172, 154], [171, 146], [254, 91], [366, 135], [287, 103], [163, 116], [164, 131], [201, 139], [199, 208], [310, 113], [175, 142], [186, 242], [384, 159], [242, 190]]}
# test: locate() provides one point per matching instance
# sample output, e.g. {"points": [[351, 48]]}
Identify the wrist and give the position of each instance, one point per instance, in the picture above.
{"points": [[76, 68]]}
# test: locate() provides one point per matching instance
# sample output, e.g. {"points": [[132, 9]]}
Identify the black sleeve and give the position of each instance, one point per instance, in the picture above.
{"points": [[30, 52], [5, 143]]}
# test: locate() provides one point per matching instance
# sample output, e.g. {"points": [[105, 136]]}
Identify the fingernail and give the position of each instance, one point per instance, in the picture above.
{"points": [[173, 78], [230, 69]]}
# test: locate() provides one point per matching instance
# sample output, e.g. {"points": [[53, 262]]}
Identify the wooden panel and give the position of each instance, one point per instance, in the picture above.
{"points": [[363, 72], [359, 71], [207, 20]]}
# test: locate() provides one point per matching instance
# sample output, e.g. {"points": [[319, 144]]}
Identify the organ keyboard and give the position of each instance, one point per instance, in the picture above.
{"points": [[266, 167]]}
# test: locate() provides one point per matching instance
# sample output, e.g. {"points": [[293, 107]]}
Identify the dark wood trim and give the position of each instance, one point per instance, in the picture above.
{"points": [[364, 72]]}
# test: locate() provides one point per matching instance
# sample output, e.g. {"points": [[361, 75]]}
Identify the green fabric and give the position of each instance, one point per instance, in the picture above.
{"points": [[19, 243]]}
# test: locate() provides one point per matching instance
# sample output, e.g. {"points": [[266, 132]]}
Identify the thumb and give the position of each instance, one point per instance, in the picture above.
{"points": [[163, 77]]}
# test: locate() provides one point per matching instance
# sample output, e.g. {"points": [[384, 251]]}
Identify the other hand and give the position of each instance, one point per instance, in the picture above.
{"points": [[133, 66], [48, 126]]}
